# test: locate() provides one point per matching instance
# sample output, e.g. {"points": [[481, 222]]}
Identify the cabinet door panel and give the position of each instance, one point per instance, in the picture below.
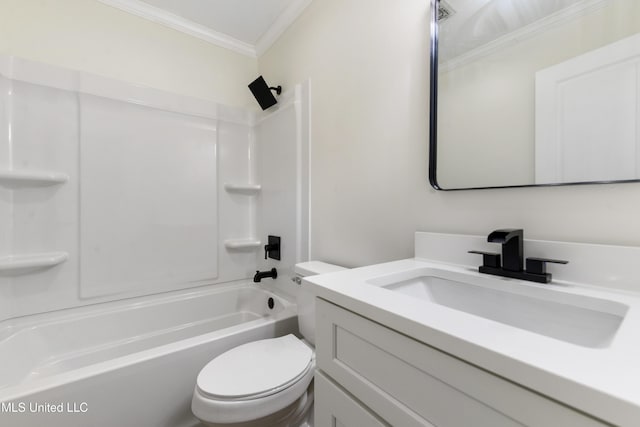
{"points": [[335, 408], [409, 383]]}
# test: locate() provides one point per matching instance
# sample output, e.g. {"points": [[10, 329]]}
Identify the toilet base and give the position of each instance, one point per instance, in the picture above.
{"points": [[298, 414]]}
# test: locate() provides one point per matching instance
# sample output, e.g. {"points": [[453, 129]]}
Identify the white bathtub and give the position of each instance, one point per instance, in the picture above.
{"points": [[131, 363]]}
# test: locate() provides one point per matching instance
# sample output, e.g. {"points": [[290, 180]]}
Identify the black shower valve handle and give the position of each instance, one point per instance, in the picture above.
{"points": [[268, 248], [272, 249]]}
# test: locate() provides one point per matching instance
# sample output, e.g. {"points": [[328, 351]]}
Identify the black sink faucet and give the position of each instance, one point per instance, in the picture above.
{"points": [[512, 253], [512, 258]]}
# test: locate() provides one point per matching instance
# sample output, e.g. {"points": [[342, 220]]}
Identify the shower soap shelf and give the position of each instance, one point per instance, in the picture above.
{"points": [[250, 189], [20, 263], [242, 244], [34, 178]]}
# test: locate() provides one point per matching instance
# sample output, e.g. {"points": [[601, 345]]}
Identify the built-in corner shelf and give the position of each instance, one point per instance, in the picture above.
{"points": [[249, 189], [242, 244], [20, 263], [31, 178]]}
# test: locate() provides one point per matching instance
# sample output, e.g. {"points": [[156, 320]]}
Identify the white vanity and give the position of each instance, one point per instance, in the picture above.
{"points": [[430, 341]]}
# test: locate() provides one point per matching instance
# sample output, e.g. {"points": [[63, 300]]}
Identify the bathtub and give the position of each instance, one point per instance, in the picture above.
{"points": [[132, 363]]}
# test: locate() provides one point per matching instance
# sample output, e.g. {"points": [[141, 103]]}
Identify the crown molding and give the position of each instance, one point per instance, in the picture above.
{"points": [[171, 20], [284, 21], [526, 32], [168, 19]]}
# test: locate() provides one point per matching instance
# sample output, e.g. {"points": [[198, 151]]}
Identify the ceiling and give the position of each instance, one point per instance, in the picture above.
{"points": [[249, 27]]}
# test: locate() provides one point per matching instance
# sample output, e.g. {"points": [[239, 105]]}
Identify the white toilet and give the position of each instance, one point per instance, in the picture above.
{"points": [[264, 383]]}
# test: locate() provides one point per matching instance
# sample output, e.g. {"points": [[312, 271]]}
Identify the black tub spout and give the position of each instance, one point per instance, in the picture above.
{"points": [[273, 273]]}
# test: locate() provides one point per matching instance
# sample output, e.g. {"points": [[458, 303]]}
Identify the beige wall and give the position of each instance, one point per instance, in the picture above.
{"points": [[368, 65], [90, 36]]}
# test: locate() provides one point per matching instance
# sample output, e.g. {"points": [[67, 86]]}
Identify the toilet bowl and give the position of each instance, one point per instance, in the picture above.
{"points": [[265, 383]]}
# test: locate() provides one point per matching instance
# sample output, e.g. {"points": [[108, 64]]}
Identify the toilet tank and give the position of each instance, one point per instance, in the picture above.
{"points": [[306, 300]]}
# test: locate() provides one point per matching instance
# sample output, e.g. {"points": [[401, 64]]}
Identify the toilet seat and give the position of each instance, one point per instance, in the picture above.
{"points": [[253, 380], [256, 369]]}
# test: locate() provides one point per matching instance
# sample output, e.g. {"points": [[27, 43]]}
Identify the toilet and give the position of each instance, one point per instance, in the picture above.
{"points": [[265, 383]]}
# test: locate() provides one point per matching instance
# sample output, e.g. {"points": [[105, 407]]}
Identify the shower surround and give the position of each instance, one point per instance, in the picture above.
{"points": [[113, 195]]}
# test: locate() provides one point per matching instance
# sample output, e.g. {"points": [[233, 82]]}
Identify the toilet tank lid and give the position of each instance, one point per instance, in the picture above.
{"points": [[312, 268]]}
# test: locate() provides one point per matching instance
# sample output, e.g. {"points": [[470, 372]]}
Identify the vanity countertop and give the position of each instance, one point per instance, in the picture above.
{"points": [[603, 382]]}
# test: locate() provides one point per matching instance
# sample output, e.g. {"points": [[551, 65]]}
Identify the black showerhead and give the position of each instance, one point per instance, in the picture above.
{"points": [[262, 92]]}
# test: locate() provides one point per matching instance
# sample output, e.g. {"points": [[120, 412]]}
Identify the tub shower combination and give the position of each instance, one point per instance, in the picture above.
{"points": [[135, 220]]}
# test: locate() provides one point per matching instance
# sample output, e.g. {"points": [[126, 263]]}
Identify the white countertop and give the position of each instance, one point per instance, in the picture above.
{"points": [[602, 382]]}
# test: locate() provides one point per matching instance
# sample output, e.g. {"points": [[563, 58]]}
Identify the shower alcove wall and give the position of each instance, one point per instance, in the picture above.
{"points": [[110, 190]]}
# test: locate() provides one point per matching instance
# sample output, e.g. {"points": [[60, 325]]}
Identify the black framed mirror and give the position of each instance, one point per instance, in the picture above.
{"points": [[534, 93]]}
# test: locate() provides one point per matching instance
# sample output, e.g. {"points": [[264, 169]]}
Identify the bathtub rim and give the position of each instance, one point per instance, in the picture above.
{"points": [[10, 326], [23, 390]]}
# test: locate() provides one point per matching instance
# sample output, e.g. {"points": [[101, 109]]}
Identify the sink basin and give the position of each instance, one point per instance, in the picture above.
{"points": [[577, 319]]}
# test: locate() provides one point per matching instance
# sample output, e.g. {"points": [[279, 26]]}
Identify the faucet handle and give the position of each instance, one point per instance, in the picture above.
{"points": [[539, 265], [272, 249], [489, 259]]}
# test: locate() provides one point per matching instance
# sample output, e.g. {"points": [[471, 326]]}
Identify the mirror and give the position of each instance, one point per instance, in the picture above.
{"points": [[534, 92]]}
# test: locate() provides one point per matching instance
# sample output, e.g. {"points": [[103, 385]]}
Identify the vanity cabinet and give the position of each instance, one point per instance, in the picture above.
{"points": [[370, 375], [337, 408]]}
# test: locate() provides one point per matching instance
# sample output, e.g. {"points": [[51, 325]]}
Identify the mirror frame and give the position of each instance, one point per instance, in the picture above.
{"points": [[433, 123]]}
